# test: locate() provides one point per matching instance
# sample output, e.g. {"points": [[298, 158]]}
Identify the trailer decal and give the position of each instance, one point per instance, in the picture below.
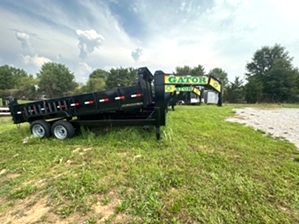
{"points": [[169, 88], [120, 98], [131, 104], [104, 100], [172, 88], [196, 91], [215, 84]]}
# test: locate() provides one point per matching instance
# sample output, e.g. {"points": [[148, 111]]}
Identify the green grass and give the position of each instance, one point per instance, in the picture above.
{"points": [[205, 170]]}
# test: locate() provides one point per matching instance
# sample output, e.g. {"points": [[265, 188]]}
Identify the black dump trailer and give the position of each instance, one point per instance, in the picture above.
{"points": [[137, 105]]}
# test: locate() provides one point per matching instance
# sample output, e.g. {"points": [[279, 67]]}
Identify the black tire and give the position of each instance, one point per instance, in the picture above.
{"points": [[40, 129], [62, 130]]}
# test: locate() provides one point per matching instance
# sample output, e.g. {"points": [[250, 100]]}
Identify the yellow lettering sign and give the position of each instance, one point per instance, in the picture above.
{"points": [[200, 80]]}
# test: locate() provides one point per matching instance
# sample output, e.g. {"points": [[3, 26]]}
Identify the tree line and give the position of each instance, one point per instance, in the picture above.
{"points": [[270, 77]]}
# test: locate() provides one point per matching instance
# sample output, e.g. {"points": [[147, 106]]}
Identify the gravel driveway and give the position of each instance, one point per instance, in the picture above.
{"points": [[280, 122]]}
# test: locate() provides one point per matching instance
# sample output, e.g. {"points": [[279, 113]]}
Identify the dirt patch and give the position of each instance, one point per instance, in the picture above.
{"points": [[105, 207], [24, 211], [36, 209], [12, 175]]}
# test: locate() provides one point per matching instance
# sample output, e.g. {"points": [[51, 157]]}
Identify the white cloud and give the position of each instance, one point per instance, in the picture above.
{"points": [[35, 60], [82, 72], [133, 8], [224, 33], [136, 54], [25, 42], [58, 56], [88, 41]]}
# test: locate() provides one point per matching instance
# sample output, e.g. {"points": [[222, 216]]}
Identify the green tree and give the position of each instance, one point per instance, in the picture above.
{"points": [[121, 77], [282, 82], [253, 90], [56, 79], [93, 84], [27, 88], [11, 77], [185, 70], [264, 58], [235, 91], [99, 73], [221, 75], [198, 70], [272, 67], [6, 77]]}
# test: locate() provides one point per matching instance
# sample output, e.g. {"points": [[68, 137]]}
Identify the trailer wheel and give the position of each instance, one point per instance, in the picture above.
{"points": [[40, 128], [63, 129]]}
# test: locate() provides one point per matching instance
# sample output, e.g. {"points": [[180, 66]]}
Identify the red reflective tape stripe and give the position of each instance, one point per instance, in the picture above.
{"points": [[120, 98], [62, 106], [136, 95], [88, 102], [104, 100], [75, 104]]}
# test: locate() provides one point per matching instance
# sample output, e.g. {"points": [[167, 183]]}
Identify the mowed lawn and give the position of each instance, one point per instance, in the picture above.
{"points": [[205, 170]]}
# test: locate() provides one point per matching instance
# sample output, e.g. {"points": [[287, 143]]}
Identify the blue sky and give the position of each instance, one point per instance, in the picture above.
{"points": [[159, 34]]}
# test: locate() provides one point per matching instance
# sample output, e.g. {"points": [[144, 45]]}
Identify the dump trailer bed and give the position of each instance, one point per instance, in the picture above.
{"points": [[120, 99], [128, 106]]}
